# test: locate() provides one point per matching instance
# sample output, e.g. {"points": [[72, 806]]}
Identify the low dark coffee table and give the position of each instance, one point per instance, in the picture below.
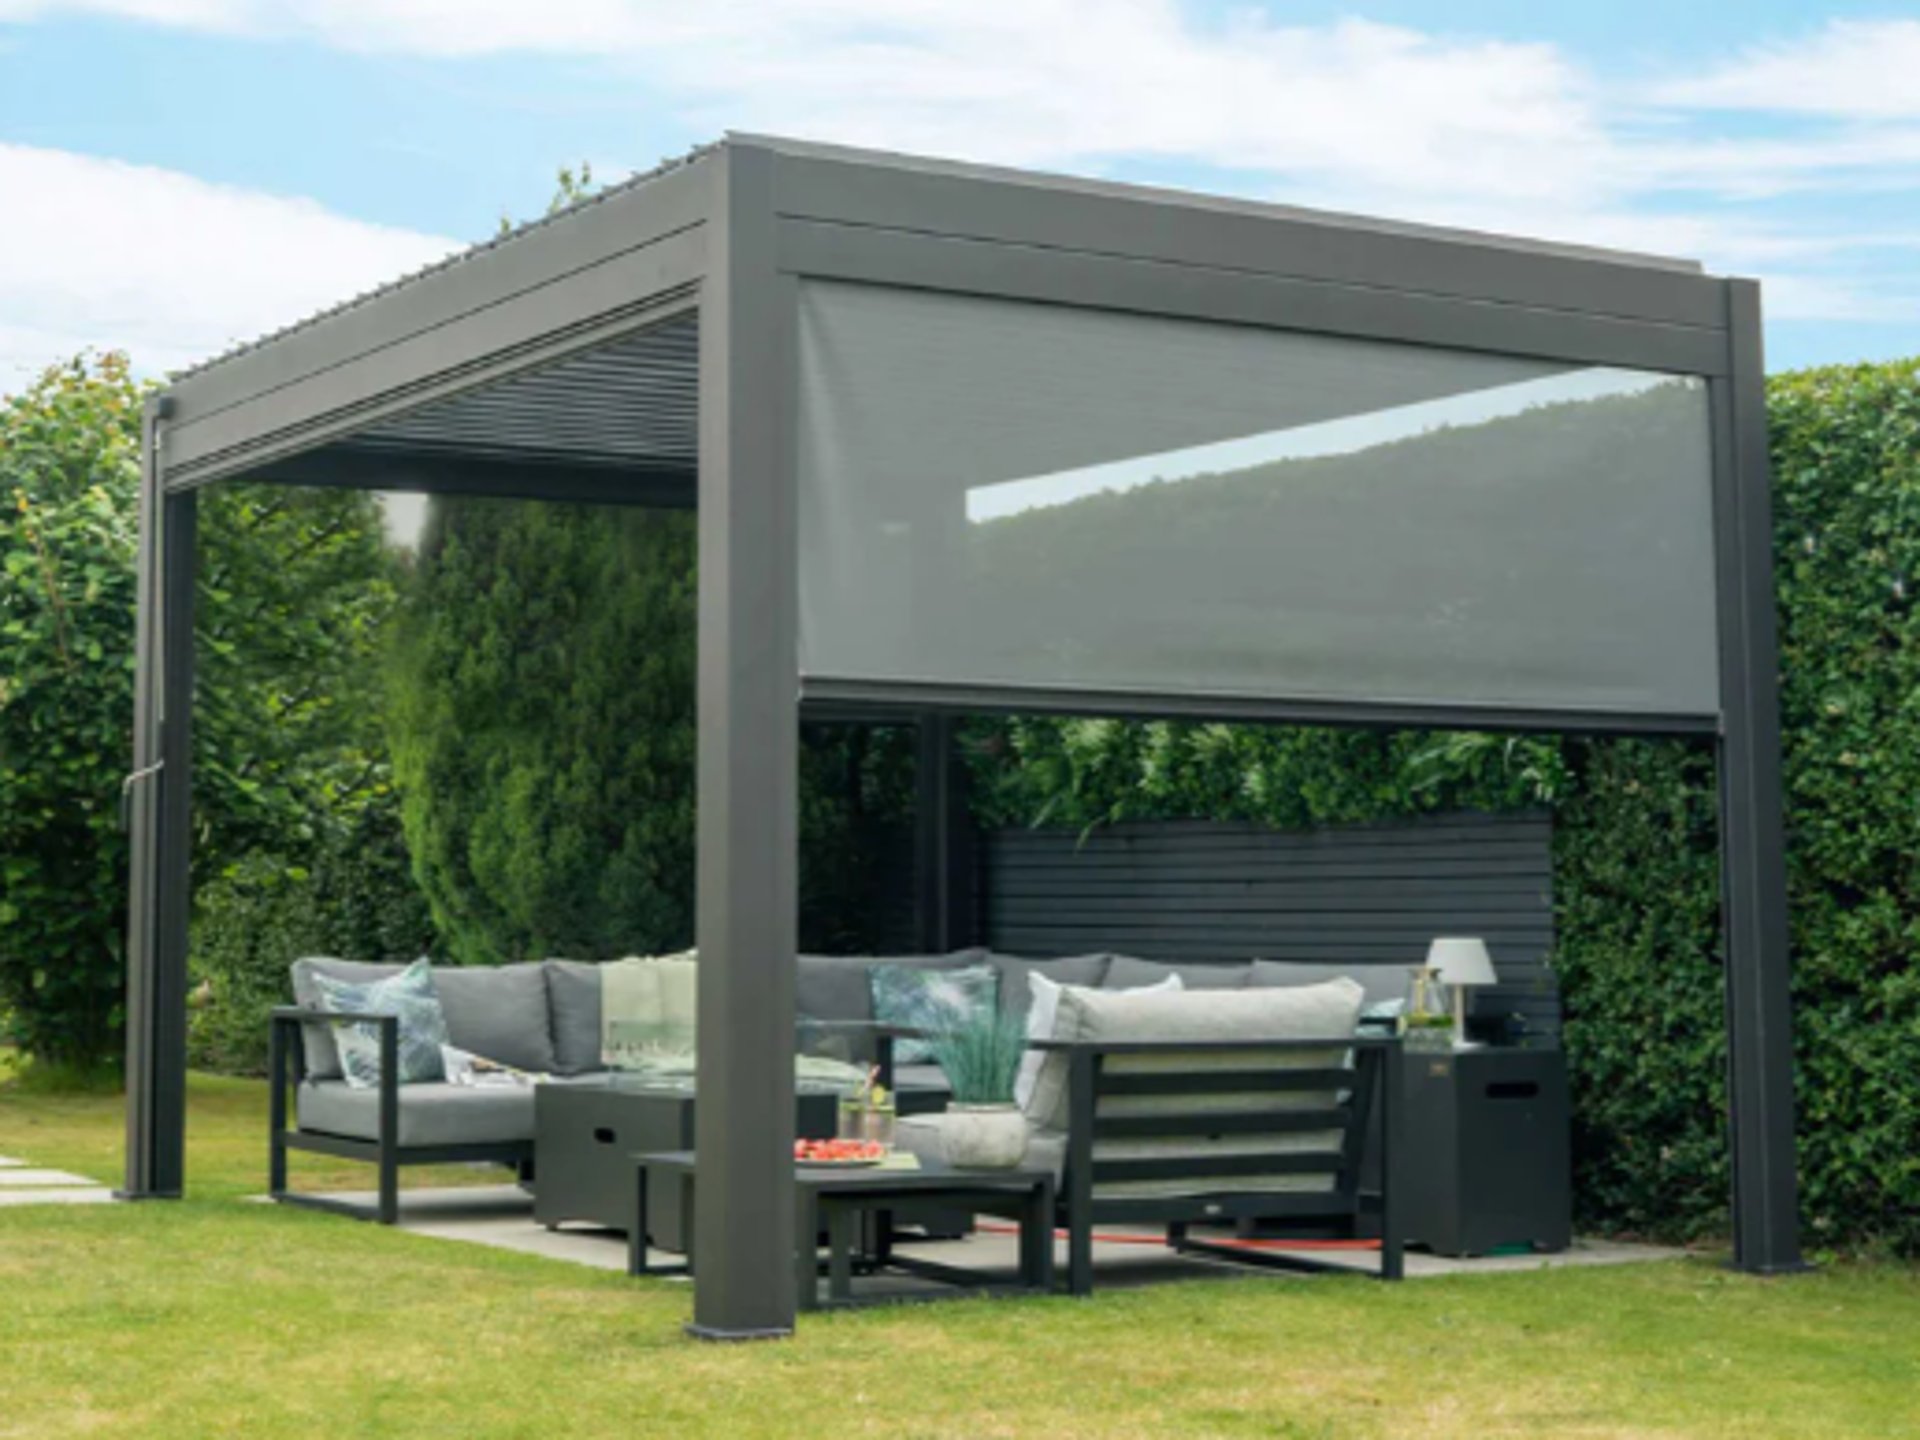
{"points": [[835, 1199]]}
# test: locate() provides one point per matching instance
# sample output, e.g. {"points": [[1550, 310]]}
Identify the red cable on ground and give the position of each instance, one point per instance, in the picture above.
{"points": [[1107, 1237]]}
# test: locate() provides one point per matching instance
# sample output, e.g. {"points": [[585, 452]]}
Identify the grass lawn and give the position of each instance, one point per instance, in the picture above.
{"points": [[214, 1316]]}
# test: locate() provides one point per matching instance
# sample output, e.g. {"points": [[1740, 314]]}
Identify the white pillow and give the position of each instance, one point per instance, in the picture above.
{"points": [[1040, 1016]]}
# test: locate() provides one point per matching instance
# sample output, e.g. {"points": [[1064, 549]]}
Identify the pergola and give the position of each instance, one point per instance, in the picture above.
{"points": [[965, 439]]}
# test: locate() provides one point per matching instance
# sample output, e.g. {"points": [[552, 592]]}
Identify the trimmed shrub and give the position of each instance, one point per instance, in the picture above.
{"points": [[354, 896]]}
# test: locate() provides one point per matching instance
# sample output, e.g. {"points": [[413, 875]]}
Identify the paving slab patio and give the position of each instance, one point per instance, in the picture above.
{"points": [[22, 1183], [501, 1216], [51, 1195], [28, 1178]]}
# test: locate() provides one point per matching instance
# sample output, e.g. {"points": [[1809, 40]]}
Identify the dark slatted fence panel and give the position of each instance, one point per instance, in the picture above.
{"points": [[1347, 895]]}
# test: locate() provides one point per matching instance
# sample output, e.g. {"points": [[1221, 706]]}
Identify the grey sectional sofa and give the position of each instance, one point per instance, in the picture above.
{"points": [[544, 1017]]}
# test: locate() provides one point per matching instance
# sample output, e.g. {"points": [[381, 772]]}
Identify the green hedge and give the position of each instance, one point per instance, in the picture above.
{"points": [[1636, 869], [350, 893]]}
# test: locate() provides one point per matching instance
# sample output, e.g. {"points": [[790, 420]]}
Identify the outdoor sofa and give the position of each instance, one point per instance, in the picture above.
{"points": [[544, 1018]]}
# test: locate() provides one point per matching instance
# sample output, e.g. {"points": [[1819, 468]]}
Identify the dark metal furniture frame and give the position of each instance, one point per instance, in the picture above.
{"points": [[285, 1044], [1367, 1083], [835, 1202], [729, 235]]}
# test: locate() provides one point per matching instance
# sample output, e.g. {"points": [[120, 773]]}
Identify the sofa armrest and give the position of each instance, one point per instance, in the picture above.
{"points": [[1211, 1047], [286, 1020]]}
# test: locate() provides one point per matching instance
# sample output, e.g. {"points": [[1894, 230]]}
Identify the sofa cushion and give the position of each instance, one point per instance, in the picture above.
{"points": [[1379, 982], [1016, 993], [322, 1058], [930, 999], [1041, 1014], [1201, 1016], [498, 1012], [835, 987], [421, 1031], [573, 1007], [1129, 972], [434, 1114]]}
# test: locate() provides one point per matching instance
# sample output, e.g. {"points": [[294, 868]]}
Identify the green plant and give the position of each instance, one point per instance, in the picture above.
{"points": [[352, 894], [981, 1055], [292, 589]]}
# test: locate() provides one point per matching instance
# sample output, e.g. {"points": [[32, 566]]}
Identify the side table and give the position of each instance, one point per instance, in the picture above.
{"points": [[1485, 1160]]}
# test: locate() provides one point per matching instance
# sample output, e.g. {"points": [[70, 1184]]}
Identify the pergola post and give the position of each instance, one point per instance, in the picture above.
{"points": [[1753, 876], [159, 793], [943, 834], [743, 1240]]}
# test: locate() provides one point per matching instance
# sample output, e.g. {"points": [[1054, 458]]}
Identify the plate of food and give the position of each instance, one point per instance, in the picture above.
{"points": [[838, 1154]]}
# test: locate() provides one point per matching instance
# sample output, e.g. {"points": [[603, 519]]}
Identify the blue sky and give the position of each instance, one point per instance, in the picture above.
{"points": [[179, 174]]}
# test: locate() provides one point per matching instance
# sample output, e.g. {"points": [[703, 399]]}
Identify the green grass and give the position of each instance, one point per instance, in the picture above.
{"points": [[215, 1316]]}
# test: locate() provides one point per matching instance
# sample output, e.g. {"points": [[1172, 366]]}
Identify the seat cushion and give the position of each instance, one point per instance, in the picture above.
{"points": [[322, 1057], [499, 1012], [435, 1114], [1379, 982], [1129, 972], [573, 1006]]}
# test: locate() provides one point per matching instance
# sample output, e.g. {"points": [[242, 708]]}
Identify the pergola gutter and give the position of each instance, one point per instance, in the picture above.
{"points": [[731, 234]]}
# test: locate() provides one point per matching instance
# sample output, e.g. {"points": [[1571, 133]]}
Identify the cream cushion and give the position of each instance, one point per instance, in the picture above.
{"points": [[1041, 1012], [1330, 1011]]}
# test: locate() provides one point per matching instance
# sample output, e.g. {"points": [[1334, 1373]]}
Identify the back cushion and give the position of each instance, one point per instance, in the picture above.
{"points": [[835, 987], [1306, 1012], [500, 1012], [1380, 982], [573, 1003], [323, 1059], [1016, 990], [1128, 972]]}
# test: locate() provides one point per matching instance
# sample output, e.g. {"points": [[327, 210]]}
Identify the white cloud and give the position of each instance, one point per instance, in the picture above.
{"points": [[95, 253], [1353, 115], [1860, 69]]}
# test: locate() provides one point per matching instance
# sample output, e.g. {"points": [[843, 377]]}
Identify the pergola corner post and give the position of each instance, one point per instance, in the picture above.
{"points": [[746, 905], [159, 797], [1753, 878]]}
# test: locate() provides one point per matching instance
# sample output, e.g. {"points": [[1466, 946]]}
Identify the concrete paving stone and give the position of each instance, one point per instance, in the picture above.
{"points": [[92, 1195], [29, 1178]]}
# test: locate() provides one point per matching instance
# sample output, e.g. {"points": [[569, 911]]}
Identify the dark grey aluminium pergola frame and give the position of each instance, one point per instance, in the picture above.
{"points": [[729, 233]]}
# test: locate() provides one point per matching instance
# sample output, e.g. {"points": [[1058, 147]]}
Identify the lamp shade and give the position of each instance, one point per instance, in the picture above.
{"points": [[1461, 961]]}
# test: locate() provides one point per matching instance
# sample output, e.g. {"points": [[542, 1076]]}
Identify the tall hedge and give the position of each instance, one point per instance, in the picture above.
{"points": [[1636, 846], [541, 717], [291, 586]]}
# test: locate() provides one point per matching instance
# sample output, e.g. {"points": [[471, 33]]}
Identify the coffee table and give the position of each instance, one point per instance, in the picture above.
{"points": [[835, 1199]]}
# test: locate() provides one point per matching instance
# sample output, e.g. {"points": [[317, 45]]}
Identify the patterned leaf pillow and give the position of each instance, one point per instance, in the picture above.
{"points": [[930, 1000], [423, 1029]]}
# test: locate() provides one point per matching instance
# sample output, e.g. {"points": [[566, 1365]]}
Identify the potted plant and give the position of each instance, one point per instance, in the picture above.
{"points": [[982, 1129]]}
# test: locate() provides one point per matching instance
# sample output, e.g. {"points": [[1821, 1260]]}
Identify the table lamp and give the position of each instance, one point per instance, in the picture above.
{"points": [[1460, 962]]}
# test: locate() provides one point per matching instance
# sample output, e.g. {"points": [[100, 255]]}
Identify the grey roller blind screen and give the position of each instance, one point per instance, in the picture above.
{"points": [[1010, 494]]}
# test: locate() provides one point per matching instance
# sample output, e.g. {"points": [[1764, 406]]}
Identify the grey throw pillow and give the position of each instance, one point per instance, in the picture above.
{"points": [[930, 1000], [573, 1003], [422, 1029]]}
